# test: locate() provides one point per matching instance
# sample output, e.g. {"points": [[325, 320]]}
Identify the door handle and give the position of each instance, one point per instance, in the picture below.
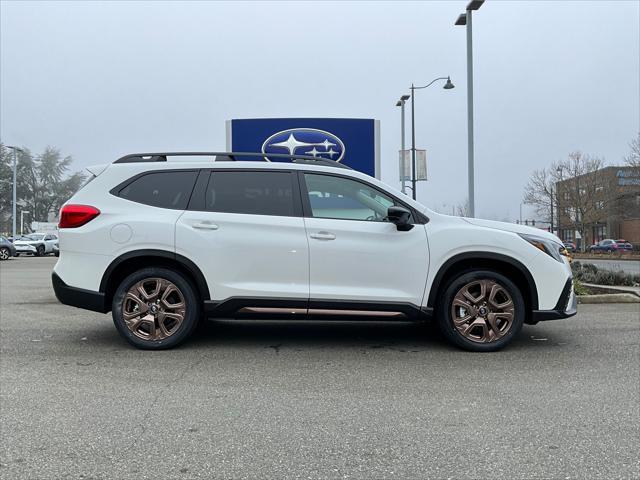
{"points": [[205, 226], [323, 235]]}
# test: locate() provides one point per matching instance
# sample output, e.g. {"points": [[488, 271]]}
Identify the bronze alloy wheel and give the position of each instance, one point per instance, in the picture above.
{"points": [[482, 311], [153, 309]]}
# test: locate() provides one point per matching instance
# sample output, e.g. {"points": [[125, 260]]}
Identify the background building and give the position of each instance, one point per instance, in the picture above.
{"points": [[601, 204]]}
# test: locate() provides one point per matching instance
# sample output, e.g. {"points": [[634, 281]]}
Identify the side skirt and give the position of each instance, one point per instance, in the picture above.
{"points": [[314, 309]]}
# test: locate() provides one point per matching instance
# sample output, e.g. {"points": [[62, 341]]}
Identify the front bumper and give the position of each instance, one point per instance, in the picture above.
{"points": [[566, 307], [78, 297], [25, 248]]}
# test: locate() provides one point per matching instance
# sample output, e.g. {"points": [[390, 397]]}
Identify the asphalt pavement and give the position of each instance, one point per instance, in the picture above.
{"points": [[317, 400]]}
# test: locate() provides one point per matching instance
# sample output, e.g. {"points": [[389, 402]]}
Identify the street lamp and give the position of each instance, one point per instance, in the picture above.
{"points": [[400, 104], [15, 163], [559, 172], [22, 212], [465, 19], [447, 86]]}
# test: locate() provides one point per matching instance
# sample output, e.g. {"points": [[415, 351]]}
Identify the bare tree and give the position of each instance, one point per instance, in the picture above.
{"points": [[582, 197], [539, 192], [633, 158], [462, 209], [585, 195]]}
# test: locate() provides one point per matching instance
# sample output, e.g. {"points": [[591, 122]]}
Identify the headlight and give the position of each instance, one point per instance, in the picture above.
{"points": [[554, 249]]}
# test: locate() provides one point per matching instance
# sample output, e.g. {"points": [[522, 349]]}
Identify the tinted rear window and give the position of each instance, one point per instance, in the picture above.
{"points": [[170, 189], [257, 193]]}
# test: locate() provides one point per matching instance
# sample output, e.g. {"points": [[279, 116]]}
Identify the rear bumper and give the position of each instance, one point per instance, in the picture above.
{"points": [[566, 307], [78, 297]]}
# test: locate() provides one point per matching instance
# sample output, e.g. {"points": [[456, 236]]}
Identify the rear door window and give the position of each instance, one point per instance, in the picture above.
{"points": [[167, 189], [251, 192]]}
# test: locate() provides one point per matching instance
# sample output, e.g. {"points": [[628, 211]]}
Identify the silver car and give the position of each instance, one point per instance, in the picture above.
{"points": [[7, 249], [37, 244]]}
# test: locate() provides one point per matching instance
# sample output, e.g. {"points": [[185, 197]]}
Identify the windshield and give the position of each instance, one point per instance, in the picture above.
{"points": [[32, 237]]}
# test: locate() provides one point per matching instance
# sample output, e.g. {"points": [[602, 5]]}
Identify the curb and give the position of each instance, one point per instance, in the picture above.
{"points": [[609, 298], [615, 288]]}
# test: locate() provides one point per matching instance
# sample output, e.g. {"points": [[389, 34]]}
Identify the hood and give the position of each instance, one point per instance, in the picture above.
{"points": [[27, 242], [512, 227]]}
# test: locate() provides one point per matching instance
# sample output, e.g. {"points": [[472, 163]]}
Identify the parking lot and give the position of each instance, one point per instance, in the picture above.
{"points": [[320, 400]]}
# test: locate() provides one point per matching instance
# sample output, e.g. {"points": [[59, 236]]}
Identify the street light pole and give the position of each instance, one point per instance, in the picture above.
{"points": [[447, 86], [400, 104], [470, 153], [551, 227], [466, 19], [13, 210], [413, 143], [22, 212], [520, 213]]}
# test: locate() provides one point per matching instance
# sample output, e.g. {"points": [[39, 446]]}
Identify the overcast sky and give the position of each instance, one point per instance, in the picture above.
{"points": [[101, 79]]}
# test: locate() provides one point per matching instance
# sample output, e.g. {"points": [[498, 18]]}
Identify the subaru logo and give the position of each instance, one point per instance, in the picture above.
{"points": [[305, 141]]}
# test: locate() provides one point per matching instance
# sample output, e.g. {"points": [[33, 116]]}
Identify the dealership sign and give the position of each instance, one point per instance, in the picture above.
{"points": [[353, 142]]}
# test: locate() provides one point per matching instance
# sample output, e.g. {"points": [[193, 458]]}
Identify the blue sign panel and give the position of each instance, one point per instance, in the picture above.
{"points": [[353, 142]]}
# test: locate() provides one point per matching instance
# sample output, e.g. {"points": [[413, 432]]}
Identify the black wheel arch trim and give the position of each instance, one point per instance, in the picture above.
{"points": [[191, 267], [483, 256]]}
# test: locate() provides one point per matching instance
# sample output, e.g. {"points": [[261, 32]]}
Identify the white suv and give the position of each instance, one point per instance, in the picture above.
{"points": [[163, 244]]}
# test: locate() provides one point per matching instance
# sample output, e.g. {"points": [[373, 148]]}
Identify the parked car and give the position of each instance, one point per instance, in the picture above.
{"points": [[570, 246], [162, 243], [37, 244], [7, 250], [624, 245], [607, 245]]}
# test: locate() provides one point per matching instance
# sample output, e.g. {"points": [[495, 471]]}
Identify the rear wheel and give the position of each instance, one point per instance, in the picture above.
{"points": [[4, 253], [481, 311], [155, 308]]}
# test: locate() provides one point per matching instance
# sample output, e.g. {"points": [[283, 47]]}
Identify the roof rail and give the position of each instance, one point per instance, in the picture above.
{"points": [[229, 157]]}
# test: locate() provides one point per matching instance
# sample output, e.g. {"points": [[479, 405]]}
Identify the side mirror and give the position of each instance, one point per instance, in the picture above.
{"points": [[400, 216]]}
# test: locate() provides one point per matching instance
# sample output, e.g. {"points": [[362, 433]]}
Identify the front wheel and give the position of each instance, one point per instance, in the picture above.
{"points": [[155, 308], [481, 311], [39, 251]]}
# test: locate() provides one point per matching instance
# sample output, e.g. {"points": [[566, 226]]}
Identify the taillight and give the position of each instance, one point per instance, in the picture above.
{"points": [[72, 216]]}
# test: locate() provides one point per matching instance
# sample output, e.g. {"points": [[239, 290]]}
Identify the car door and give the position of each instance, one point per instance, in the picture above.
{"points": [[355, 255], [245, 231]]}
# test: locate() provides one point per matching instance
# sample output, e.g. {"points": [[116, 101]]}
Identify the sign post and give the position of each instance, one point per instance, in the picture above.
{"points": [[405, 166]]}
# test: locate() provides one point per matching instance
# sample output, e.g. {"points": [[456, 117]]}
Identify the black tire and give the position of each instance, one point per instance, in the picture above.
{"points": [[5, 253], [191, 315], [17, 255], [445, 315], [57, 254], [39, 251]]}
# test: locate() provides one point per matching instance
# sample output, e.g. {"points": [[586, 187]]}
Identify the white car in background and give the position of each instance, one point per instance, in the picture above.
{"points": [[37, 244], [163, 244]]}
